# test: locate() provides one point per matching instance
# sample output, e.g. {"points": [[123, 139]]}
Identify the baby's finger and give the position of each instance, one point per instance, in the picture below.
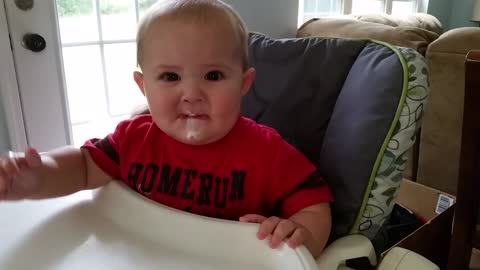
{"points": [[5, 181], [267, 227], [32, 157], [298, 237], [284, 228], [252, 218], [9, 167]]}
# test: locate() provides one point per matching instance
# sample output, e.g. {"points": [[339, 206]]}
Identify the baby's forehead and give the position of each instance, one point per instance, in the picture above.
{"points": [[217, 24], [215, 32], [205, 18]]}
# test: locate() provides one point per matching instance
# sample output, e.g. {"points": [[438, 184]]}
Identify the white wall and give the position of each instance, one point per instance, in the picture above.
{"points": [[461, 14], [276, 18], [441, 10], [452, 14]]}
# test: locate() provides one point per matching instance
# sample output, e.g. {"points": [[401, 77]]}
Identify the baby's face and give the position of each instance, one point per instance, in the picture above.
{"points": [[193, 79]]}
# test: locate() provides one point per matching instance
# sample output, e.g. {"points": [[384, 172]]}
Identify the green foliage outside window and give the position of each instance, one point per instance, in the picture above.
{"points": [[108, 7], [146, 4], [74, 7], [85, 7]]}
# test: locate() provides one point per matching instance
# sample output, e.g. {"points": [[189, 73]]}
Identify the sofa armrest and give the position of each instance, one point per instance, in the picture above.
{"points": [[347, 247], [442, 129], [456, 41]]}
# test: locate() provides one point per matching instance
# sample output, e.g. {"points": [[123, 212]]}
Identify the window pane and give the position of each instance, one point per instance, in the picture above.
{"points": [[118, 19], [84, 80], [319, 8], [145, 4], [402, 7], [77, 21], [367, 6], [123, 93], [309, 5], [327, 6]]}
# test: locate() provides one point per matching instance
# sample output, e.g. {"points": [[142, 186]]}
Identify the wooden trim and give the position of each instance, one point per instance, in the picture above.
{"points": [[469, 171], [476, 239], [473, 56]]}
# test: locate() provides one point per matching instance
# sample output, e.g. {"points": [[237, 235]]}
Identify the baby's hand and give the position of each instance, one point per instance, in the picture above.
{"points": [[280, 229], [17, 177]]}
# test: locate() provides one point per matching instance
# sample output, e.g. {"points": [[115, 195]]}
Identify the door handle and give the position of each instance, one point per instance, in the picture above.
{"points": [[24, 4], [34, 42]]}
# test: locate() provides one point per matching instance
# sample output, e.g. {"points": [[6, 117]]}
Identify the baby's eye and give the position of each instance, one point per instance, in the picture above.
{"points": [[169, 77], [214, 76]]}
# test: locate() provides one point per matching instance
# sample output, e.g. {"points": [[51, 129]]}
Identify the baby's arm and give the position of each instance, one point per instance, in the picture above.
{"points": [[56, 173], [309, 226]]}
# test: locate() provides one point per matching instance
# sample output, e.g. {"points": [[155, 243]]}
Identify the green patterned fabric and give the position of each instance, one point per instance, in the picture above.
{"points": [[387, 174]]}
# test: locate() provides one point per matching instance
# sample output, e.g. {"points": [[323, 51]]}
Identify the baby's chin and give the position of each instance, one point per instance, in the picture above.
{"points": [[197, 137], [195, 132], [194, 139]]}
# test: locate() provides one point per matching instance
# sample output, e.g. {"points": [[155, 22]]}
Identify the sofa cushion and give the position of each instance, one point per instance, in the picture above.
{"points": [[403, 36], [417, 20]]}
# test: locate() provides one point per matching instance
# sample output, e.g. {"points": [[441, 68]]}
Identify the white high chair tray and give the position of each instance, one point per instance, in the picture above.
{"points": [[116, 228]]}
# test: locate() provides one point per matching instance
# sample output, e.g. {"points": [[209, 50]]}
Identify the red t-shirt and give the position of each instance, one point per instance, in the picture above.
{"points": [[252, 170]]}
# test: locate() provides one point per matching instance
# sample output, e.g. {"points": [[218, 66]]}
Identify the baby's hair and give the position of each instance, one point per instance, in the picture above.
{"points": [[195, 11]]}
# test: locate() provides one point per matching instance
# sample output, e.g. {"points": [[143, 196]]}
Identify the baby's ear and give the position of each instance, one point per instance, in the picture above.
{"points": [[248, 77], [138, 77]]}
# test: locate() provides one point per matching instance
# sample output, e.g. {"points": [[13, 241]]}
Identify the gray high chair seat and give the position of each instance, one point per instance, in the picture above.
{"points": [[353, 107]]}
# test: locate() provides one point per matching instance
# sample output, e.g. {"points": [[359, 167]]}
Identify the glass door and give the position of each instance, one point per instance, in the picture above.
{"points": [[98, 49]]}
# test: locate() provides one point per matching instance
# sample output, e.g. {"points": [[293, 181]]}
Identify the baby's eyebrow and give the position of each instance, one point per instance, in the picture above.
{"points": [[166, 67], [218, 66]]}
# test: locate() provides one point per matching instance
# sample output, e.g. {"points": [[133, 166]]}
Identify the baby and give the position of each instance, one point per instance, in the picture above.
{"points": [[194, 151]]}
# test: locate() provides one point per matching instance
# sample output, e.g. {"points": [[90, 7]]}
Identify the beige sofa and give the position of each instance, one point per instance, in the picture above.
{"points": [[441, 133], [414, 31], [439, 145]]}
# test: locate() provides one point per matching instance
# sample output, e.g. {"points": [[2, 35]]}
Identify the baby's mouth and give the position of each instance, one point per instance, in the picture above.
{"points": [[197, 116], [193, 125]]}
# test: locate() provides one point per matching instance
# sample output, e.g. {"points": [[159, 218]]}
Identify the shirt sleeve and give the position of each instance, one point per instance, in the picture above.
{"points": [[297, 182], [105, 152], [313, 190]]}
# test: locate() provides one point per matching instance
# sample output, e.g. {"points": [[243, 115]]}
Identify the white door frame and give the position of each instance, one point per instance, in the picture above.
{"points": [[9, 88], [44, 101]]}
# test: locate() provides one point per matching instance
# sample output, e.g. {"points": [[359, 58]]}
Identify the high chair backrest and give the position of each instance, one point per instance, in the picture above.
{"points": [[353, 107]]}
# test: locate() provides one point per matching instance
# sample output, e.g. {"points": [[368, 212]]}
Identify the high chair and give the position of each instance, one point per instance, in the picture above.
{"points": [[353, 107]]}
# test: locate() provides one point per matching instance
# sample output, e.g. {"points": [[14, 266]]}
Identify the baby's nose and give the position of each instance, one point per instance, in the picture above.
{"points": [[193, 93]]}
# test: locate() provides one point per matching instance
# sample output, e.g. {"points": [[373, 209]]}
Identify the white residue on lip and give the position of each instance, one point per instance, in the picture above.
{"points": [[192, 128]]}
